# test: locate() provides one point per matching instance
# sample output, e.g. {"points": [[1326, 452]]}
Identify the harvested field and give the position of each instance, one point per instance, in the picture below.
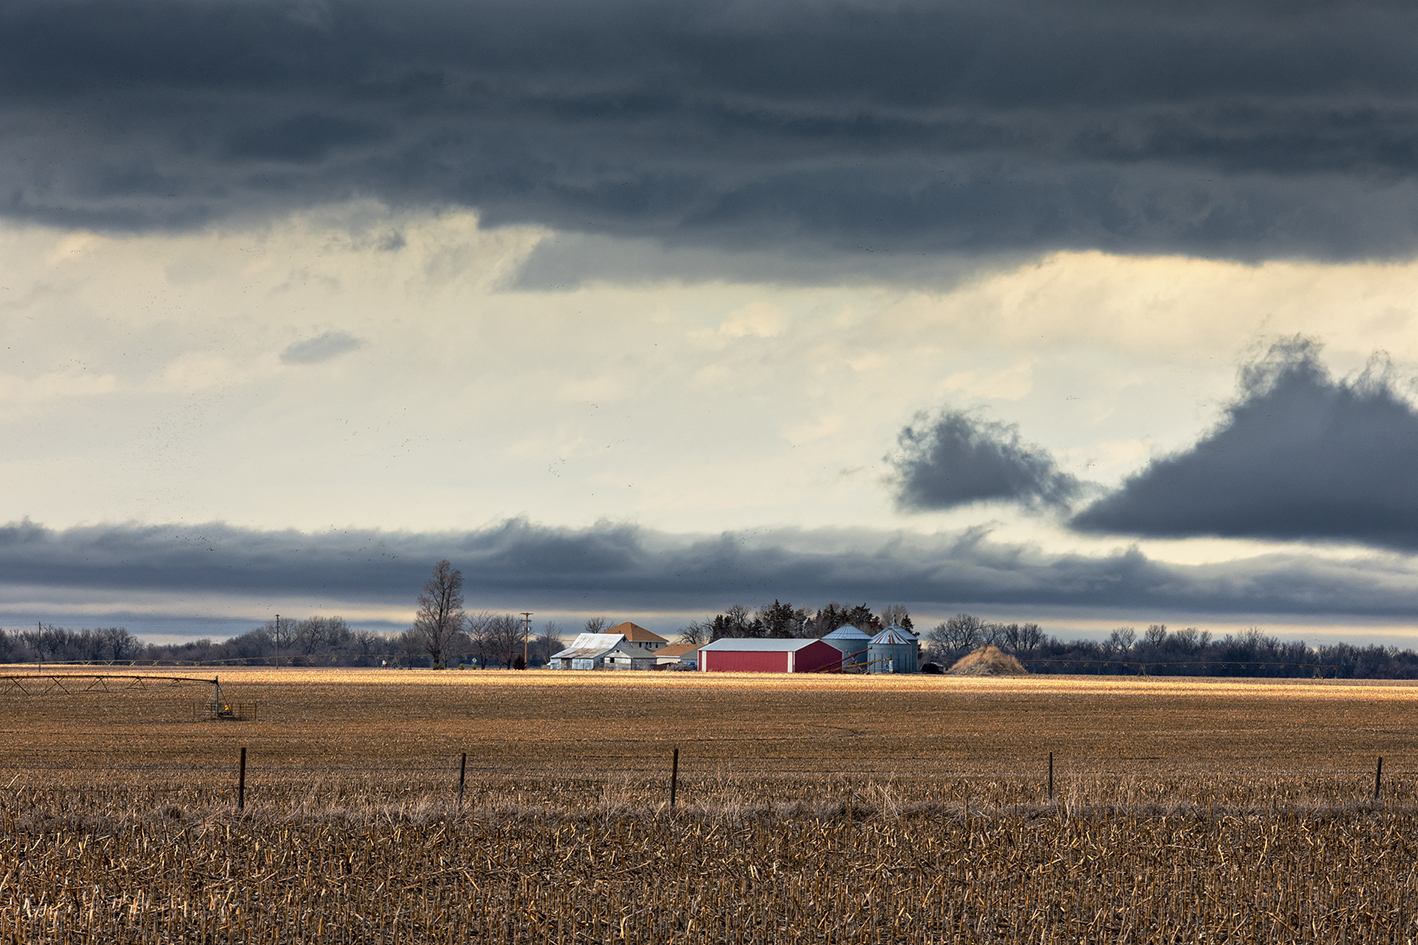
{"points": [[853, 809]]}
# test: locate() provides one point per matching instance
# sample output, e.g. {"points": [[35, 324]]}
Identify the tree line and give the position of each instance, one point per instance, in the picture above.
{"points": [[780, 620], [1158, 651], [487, 640]]}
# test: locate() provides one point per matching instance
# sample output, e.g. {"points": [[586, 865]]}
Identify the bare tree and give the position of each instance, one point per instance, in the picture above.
{"points": [[697, 631], [959, 634], [1191, 640], [47, 641], [365, 641], [897, 614], [411, 646], [89, 644], [120, 644], [440, 615], [281, 632], [322, 635], [548, 641], [500, 640], [1031, 636], [596, 625], [1121, 639], [736, 623]]}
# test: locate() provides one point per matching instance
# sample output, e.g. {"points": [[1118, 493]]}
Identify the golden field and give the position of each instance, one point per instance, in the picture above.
{"points": [[824, 808]]}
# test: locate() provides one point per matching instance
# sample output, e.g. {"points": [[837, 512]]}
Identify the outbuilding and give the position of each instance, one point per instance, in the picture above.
{"points": [[730, 655], [682, 653], [587, 651], [629, 656]]}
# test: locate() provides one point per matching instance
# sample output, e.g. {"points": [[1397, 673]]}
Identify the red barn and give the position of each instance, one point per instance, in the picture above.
{"points": [[769, 656]]}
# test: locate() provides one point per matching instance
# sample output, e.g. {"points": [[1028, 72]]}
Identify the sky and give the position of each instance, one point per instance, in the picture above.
{"points": [[1083, 312]]}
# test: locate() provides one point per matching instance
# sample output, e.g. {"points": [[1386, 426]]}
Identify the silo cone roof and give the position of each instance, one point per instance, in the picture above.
{"points": [[847, 632], [894, 636]]}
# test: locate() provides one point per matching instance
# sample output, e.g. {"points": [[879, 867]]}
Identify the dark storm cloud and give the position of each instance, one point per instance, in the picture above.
{"points": [[808, 129], [627, 567], [1299, 455], [954, 458]]}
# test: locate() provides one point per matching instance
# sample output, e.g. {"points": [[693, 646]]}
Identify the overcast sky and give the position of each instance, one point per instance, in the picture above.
{"points": [[1078, 312]]}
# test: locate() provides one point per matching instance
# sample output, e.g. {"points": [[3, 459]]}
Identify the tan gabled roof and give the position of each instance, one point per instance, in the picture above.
{"points": [[637, 634], [678, 649]]}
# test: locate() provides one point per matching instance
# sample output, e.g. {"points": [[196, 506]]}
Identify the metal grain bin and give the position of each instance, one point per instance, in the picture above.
{"points": [[893, 650], [853, 643]]}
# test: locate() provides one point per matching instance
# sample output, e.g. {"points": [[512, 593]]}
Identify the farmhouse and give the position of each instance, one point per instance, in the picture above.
{"points": [[638, 635], [769, 656]]}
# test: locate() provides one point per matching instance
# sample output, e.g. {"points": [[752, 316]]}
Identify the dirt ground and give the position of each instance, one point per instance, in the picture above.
{"points": [[412, 726]]}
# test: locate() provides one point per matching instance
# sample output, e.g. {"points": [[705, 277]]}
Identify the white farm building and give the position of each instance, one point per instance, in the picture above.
{"points": [[625, 646], [587, 651]]}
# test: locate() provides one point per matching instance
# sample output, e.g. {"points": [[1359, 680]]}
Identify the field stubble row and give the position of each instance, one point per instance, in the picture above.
{"points": [[844, 810]]}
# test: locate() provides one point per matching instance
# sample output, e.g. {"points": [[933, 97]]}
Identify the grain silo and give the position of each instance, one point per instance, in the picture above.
{"points": [[853, 643], [893, 650]]}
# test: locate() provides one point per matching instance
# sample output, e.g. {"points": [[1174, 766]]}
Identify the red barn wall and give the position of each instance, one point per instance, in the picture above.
{"points": [[818, 656], [742, 661]]}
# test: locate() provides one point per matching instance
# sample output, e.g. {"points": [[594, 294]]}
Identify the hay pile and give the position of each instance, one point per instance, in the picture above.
{"points": [[987, 661]]}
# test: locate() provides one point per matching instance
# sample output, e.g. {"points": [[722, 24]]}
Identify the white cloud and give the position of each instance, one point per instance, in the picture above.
{"points": [[1011, 383], [687, 407]]}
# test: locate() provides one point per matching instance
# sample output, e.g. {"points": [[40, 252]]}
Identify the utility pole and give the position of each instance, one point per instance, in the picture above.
{"points": [[526, 634], [39, 646], [277, 637]]}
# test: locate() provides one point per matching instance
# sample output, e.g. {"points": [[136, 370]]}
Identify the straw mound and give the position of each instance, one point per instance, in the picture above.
{"points": [[988, 661]]}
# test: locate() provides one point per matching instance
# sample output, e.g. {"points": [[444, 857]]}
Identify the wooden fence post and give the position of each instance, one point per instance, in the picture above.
{"points": [[241, 782], [1378, 777], [462, 778], [674, 778], [1051, 776]]}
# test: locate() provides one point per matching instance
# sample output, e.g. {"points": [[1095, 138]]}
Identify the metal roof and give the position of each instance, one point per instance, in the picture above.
{"points": [[589, 645], [759, 645], [847, 632], [894, 636], [629, 649]]}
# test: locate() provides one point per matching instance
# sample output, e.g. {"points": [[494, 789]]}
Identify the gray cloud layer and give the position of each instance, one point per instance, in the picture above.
{"points": [[611, 566], [322, 347], [955, 458], [1299, 455], [1245, 130]]}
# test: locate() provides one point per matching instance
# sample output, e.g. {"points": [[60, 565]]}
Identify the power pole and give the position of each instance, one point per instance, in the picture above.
{"points": [[277, 637], [526, 634]]}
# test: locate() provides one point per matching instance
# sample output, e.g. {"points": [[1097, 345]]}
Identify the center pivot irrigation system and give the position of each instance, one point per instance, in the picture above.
{"points": [[40, 684]]}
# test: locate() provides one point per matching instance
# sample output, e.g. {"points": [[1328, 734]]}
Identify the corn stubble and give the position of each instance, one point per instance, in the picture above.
{"points": [[116, 865], [831, 837]]}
